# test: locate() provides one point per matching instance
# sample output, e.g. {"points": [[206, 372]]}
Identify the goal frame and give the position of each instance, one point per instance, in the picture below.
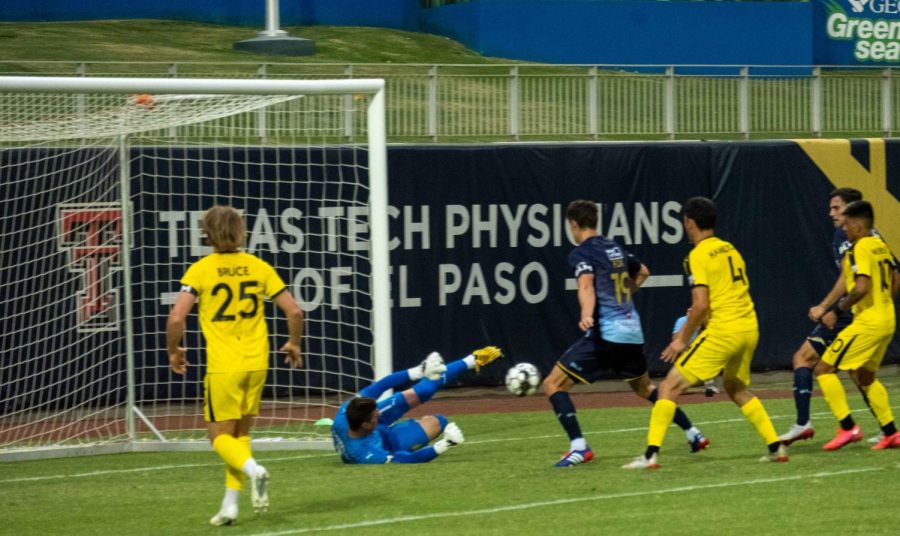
{"points": [[378, 225]]}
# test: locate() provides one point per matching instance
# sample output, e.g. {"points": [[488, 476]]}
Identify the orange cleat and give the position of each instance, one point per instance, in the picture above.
{"points": [[844, 437]]}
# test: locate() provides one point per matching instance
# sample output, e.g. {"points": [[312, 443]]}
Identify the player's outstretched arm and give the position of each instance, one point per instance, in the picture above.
{"points": [[175, 325], [291, 309]]}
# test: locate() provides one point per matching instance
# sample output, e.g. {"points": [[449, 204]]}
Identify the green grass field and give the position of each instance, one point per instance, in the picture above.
{"points": [[501, 481]]}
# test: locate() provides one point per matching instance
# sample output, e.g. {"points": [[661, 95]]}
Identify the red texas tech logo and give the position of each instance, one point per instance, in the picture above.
{"points": [[91, 234]]}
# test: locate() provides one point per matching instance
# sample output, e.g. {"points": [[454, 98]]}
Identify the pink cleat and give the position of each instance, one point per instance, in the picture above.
{"points": [[843, 437]]}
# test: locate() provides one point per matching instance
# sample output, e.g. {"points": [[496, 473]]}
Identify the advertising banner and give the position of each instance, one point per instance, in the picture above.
{"points": [[479, 248], [857, 32]]}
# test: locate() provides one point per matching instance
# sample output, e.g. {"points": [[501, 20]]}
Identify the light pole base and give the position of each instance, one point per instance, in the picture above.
{"points": [[277, 45]]}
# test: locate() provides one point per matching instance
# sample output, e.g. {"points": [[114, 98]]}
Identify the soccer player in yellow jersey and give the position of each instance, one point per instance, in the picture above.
{"points": [[230, 286], [720, 298], [869, 270]]}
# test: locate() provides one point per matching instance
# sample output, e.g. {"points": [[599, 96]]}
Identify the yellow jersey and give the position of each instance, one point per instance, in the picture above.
{"points": [[871, 257], [716, 264], [231, 288]]}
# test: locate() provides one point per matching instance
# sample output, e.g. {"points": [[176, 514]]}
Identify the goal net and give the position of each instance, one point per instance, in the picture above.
{"points": [[105, 182]]}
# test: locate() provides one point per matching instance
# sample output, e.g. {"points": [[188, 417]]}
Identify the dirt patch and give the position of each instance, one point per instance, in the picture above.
{"points": [[499, 403]]}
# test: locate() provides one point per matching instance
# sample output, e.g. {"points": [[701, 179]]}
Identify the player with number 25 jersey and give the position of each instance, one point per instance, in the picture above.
{"points": [[231, 288]]}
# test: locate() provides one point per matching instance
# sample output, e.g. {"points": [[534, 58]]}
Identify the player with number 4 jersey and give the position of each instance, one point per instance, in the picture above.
{"points": [[720, 299]]}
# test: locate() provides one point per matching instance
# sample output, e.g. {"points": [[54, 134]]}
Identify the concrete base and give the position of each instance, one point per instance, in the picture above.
{"points": [[278, 45]]}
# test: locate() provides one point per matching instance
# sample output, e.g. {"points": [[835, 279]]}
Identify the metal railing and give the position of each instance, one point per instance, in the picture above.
{"points": [[575, 102]]}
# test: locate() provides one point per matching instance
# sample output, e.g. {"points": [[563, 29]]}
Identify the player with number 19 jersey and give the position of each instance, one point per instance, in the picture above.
{"points": [[716, 264], [615, 317], [230, 288]]}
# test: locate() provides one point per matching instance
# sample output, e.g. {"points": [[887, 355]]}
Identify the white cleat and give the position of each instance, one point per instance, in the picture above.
{"points": [[259, 495], [643, 462], [226, 516], [876, 439], [797, 432], [779, 456], [433, 366]]}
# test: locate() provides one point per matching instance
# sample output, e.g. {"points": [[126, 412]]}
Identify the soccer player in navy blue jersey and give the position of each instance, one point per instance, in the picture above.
{"points": [[607, 276], [806, 357], [366, 431]]}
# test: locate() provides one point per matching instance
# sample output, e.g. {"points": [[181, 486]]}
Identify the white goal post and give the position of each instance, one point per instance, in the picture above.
{"points": [[104, 181]]}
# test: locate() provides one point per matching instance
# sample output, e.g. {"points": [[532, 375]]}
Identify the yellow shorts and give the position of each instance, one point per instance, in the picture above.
{"points": [[231, 395], [856, 347], [715, 351]]}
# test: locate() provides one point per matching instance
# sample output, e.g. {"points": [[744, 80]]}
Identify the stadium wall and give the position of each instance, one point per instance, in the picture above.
{"points": [[590, 32], [641, 32]]}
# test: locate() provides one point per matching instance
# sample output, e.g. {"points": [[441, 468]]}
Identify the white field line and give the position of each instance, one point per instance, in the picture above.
{"points": [[306, 457], [557, 502], [644, 428], [147, 469]]}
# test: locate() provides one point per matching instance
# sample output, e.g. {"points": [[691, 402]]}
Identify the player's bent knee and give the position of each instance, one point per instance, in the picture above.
{"points": [[432, 425], [556, 381], [733, 386], [806, 356], [863, 377]]}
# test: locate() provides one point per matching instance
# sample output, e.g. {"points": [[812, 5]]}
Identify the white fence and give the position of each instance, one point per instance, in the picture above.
{"points": [[527, 101]]}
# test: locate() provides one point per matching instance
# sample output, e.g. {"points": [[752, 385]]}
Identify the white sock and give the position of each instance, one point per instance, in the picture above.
{"points": [[691, 433], [578, 444], [250, 467], [231, 497], [470, 361]]}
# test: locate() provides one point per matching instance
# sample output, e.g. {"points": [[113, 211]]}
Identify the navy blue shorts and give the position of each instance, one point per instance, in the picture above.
{"points": [[587, 359], [822, 337]]}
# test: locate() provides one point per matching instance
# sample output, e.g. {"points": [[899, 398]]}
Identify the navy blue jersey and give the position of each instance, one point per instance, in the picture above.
{"points": [[615, 317], [839, 245]]}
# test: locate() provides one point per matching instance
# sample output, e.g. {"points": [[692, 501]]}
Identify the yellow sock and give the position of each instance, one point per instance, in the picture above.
{"points": [[834, 395], [231, 451], [234, 479], [759, 418], [660, 418], [878, 400]]}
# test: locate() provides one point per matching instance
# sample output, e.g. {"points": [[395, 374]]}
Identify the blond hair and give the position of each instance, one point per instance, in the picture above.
{"points": [[224, 228]]}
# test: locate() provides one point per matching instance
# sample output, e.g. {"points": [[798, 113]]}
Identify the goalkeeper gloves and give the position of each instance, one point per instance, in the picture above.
{"points": [[485, 355], [433, 366], [452, 436]]}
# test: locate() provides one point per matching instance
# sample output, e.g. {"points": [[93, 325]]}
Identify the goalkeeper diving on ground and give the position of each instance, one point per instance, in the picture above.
{"points": [[366, 431]]}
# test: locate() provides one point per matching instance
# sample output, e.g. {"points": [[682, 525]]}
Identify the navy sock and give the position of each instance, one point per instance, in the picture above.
{"points": [[565, 412], [426, 388], [803, 385], [847, 423], [681, 418]]}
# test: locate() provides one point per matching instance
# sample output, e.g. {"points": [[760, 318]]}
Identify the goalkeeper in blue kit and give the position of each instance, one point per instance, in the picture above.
{"points": [[366, 430]]}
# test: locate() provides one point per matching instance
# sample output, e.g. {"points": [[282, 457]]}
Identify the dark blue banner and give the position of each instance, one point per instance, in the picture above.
{"points": [[478, 249]]}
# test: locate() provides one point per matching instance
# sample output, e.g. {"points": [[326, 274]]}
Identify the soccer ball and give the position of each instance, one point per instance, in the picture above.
{"points": [[523, 379]]}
